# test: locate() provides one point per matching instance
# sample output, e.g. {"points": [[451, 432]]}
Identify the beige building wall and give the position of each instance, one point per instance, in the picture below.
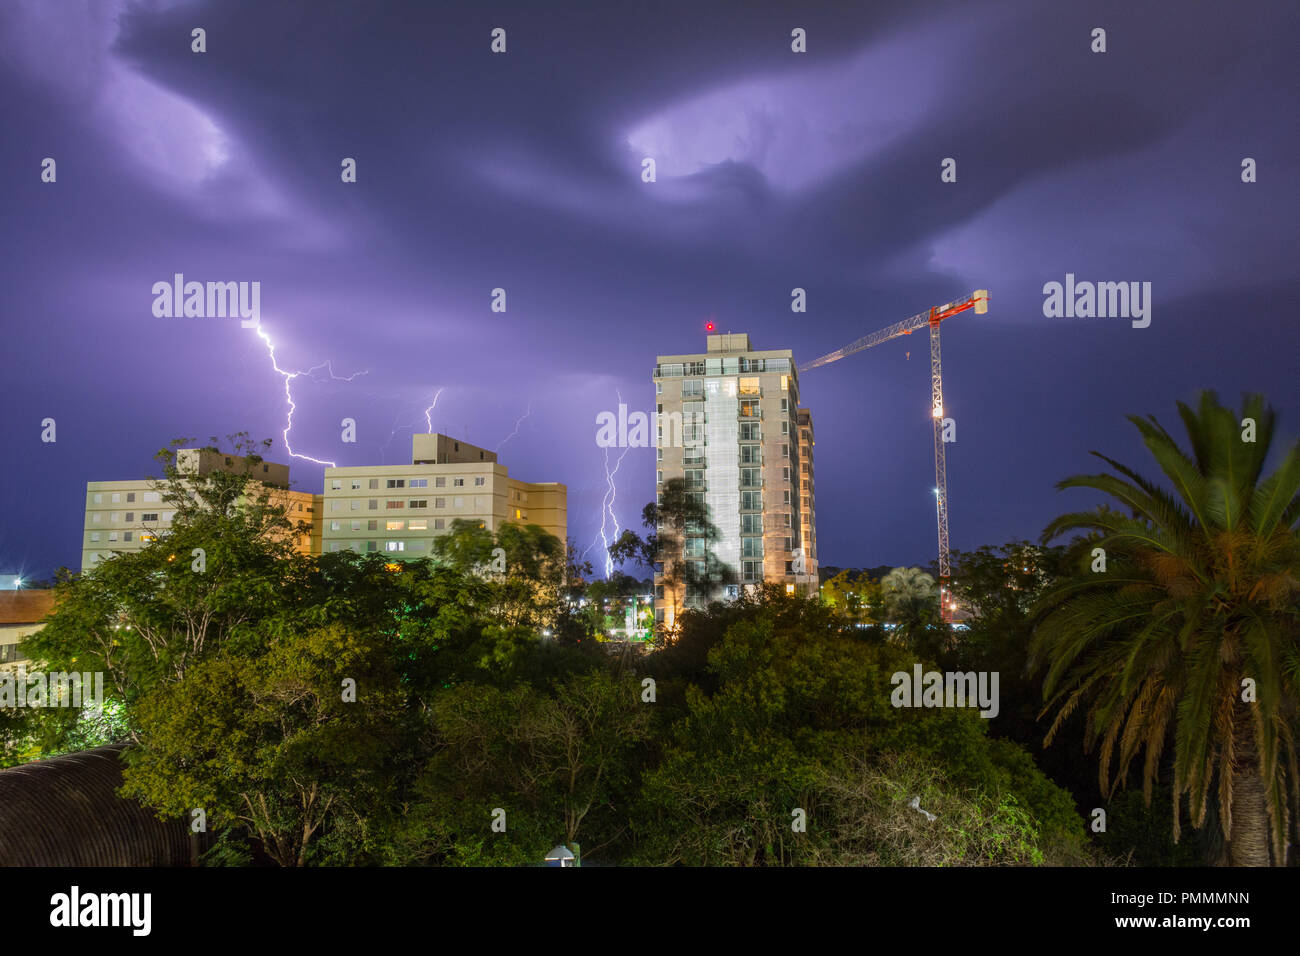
{"points": [[753, 469], [125, 516], [400, 509]]}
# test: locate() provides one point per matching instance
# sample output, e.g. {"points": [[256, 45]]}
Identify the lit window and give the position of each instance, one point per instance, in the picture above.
{"points": [[335, 525], [394, 525], [356, 484], [94, 536], [394, 545], [117, 498], [95, 517], [418, 524], [394, 505], [356, 505], [99, 499]]}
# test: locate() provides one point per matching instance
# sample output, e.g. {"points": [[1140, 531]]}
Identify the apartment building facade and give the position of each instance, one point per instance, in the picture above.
{"points": [[125, 516], [750, 462], [399, 510]]}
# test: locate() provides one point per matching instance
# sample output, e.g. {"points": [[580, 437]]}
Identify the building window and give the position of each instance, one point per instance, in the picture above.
{"points": [[751, 570], [394, 545], [751, 477], [356, 526], [334, 505], [785, 451], [94, 536], [749, 408], [335, 545], [336, 484], [440, 502], [419, 483], [751, 524], [478, 504], [117, 498], [785, 474], [374, 504], [112, 536], [130, 497], [98, 499], [692, 387], [356, 504], [394, 525], [785, 428], [785, 497], [437, 524], [419, 524], [130, 516], [152, 496], [458, 502], [418, 503], [789, 545], [440, 482], [394, 505], [149, 516], [785, 406], [751, 501], [356, 484], [396, 482], [751, 547], [372, 546], [749, 386], [95, 517], [751, 431], [126, 535], [749, 455], [458, 482], [694, 477], [372, 524], [335, 525]]}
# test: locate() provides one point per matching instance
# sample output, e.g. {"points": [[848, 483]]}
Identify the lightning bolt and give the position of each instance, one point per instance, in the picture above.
{"points": [[607, 514], [288, 392], [607, 508], [428, 412], [517, 424]]}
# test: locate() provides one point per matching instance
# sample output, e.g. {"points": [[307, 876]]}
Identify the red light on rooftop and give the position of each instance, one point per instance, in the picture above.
{"points": [[708, 326]]}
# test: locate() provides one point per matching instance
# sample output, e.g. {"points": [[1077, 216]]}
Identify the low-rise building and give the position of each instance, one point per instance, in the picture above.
{"points": [[400, 509], [125, 516], [21, 616]]}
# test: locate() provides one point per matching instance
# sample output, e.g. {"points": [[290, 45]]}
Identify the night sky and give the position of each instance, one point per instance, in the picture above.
{"points": [[522, 171]]}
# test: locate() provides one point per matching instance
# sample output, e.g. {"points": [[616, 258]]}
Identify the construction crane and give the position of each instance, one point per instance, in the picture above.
{"points": [[979, 301]]}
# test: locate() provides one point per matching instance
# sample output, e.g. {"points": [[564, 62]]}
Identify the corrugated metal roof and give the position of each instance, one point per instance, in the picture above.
{"points": [[65, 812]]}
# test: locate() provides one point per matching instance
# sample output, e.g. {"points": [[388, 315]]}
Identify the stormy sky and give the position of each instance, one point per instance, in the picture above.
{"points": [[522, 171]]}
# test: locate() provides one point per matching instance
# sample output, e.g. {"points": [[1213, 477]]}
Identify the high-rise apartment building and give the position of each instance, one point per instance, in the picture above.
{"points": [[400, 509], [750, 462], [124, 516]]}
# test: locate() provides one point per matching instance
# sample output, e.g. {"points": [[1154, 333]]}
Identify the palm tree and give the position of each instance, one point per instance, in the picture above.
{"points": [[910, 598], [1196, 605]]}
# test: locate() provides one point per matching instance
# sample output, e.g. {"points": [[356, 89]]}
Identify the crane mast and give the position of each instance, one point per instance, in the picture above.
{"points": [[979, 301]]}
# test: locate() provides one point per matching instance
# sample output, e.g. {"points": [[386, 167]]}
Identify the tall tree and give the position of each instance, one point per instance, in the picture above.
{"points": [[1183, 623], [680, 545]]}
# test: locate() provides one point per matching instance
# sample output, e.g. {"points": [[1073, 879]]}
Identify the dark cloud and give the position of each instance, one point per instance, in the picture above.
{"points": [[478, 171]]}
